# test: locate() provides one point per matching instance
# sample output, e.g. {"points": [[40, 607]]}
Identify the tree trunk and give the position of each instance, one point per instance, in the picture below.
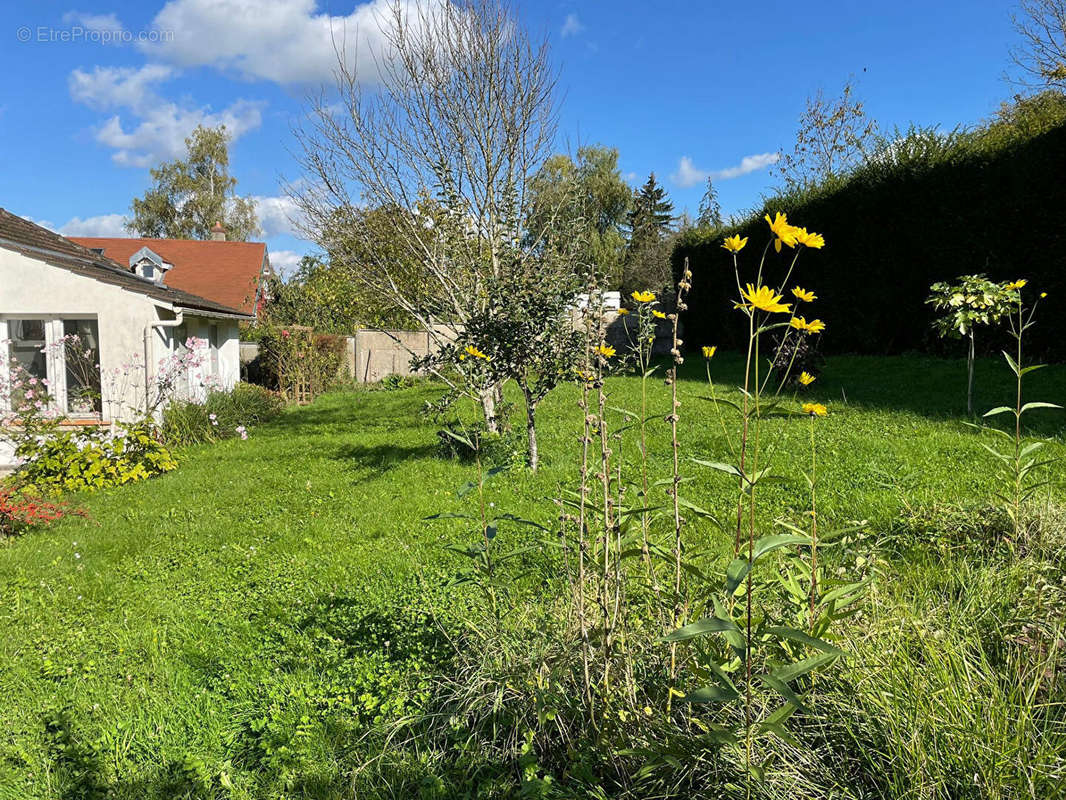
{"points": [[531, 429], [489, 402], [969, 377]]}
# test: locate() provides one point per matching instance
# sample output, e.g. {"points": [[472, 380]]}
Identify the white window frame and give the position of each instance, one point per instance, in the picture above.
{"points": [[56, 366]]}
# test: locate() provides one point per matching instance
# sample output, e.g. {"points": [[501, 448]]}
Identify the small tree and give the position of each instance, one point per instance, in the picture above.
{"points": [[833, 136], [973, 301], [191, 195], [458, 119], [710, 214]]}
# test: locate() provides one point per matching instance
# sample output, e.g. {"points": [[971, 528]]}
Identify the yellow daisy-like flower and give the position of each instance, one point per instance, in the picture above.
{"points": [[1043, 295], [815, 409], [604, 350], [708, 352], [804, 295], [643, 297], [474, 352], [658, 314], [785, 233], [623, 311], [734, 244], [806, 378], [801, 324], [765, 299], [814, 240], [1018, 284]]}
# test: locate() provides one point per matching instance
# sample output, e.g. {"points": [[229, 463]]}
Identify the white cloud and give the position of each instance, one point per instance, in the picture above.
{"points": [[277, 215], [572, 26], [285, 262], [284, 41], [106, 27], [110, 225], [688, 174], [159, 127], [117, 87]]}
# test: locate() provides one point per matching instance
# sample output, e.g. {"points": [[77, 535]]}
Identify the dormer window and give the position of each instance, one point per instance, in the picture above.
{"points": [[149, 265]]}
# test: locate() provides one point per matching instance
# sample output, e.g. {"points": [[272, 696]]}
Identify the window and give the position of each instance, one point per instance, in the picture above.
{"points": [[63, 354]]}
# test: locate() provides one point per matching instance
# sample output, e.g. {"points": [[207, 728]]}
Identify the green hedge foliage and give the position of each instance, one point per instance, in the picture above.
{"points": [[929, 207]]}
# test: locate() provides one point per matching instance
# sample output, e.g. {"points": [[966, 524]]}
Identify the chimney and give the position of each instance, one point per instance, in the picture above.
{"points": [[218, 233]]}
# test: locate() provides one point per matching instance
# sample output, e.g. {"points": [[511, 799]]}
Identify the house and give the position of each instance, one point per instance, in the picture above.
{"points": [[129, 321], [230, 273]]}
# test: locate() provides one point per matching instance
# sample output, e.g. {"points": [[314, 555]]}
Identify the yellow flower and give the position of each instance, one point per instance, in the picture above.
{"points": [[1018, 284], [623, 311], [658, 314], [801, 324], [473, 351], [815, 409], [785, 233], [1043, 295], [643, 297], [806, 378], [815, 240], [734, 244], [764, 298], [804, 295], [708, 352], [604, 350]]}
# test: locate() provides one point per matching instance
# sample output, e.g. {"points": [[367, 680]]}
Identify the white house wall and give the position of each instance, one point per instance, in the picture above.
{"points": [[30, 288]]}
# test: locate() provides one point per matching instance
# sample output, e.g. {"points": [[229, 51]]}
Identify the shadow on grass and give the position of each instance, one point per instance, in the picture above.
{"points": [[931, 387], [382, 456]]}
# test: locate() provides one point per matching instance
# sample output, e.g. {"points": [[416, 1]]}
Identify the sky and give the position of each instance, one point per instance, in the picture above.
{"points": [[97, 92]]}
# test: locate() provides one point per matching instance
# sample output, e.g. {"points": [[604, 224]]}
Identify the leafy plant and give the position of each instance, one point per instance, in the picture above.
{"points": [[1018, 466], [973, 301]]}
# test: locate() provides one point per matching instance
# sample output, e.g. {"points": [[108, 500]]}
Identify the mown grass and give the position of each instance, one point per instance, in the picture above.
{"points": [[242, 627]]}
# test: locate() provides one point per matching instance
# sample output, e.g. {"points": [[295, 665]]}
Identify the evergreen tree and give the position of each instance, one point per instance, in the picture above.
{"points": [[710, 209], [651, 216]]}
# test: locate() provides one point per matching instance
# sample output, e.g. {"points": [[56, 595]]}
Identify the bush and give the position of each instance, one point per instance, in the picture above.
{"points": [[298, 363], [927, 208], [223, 416], [92, 459], [19, 511]]}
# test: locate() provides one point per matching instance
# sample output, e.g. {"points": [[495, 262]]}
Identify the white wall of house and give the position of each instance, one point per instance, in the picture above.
{"points": [[33, 289]]}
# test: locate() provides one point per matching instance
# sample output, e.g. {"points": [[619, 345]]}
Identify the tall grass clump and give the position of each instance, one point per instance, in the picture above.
{"points": [[223, 415]]}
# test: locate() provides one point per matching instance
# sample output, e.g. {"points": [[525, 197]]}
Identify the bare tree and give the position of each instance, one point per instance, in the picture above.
{"points": [[834, 135], [447, 136], [1041, 24]]}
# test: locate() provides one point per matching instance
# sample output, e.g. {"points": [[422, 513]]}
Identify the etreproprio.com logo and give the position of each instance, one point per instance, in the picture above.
{"points": [[77, 34]]}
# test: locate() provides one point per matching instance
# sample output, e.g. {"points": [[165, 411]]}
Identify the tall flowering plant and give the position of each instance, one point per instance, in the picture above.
{"points": [[763, 662]]}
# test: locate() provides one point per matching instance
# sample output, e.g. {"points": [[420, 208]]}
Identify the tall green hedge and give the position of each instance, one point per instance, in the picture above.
{"points": [[989, 201]]}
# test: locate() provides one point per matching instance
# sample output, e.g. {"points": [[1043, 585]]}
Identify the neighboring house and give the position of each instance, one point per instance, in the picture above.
{"points": [[231, 273], [128, 319]]}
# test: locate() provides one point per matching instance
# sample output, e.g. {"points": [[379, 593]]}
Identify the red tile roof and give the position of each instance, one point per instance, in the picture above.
{"points": [[22, 236], [226, 272]]}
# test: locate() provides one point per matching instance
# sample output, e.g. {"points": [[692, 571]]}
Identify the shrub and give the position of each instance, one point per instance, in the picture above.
{"points": [[223, 415], [92, 459], [298, 362], [926, 209], [19, 511]]}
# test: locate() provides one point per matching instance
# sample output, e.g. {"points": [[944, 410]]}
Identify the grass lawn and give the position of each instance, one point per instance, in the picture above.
{"points": [[235, 628]]}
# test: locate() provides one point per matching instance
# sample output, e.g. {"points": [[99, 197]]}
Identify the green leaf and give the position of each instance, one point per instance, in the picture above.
{"points": [[999, 410], [738, 570], [798, 669], [1011, 362], [783, 689], [727, 468], [1029, 406], [701, 628], [799, 636], [712, 694], [1029, 369], [735, 574]]}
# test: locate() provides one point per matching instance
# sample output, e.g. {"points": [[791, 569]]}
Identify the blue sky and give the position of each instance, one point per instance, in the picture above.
{"points": [[93, 97]]}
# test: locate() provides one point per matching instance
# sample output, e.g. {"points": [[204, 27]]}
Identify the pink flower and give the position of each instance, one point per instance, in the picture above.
{"points": [[242, 431], [285, 333]]}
